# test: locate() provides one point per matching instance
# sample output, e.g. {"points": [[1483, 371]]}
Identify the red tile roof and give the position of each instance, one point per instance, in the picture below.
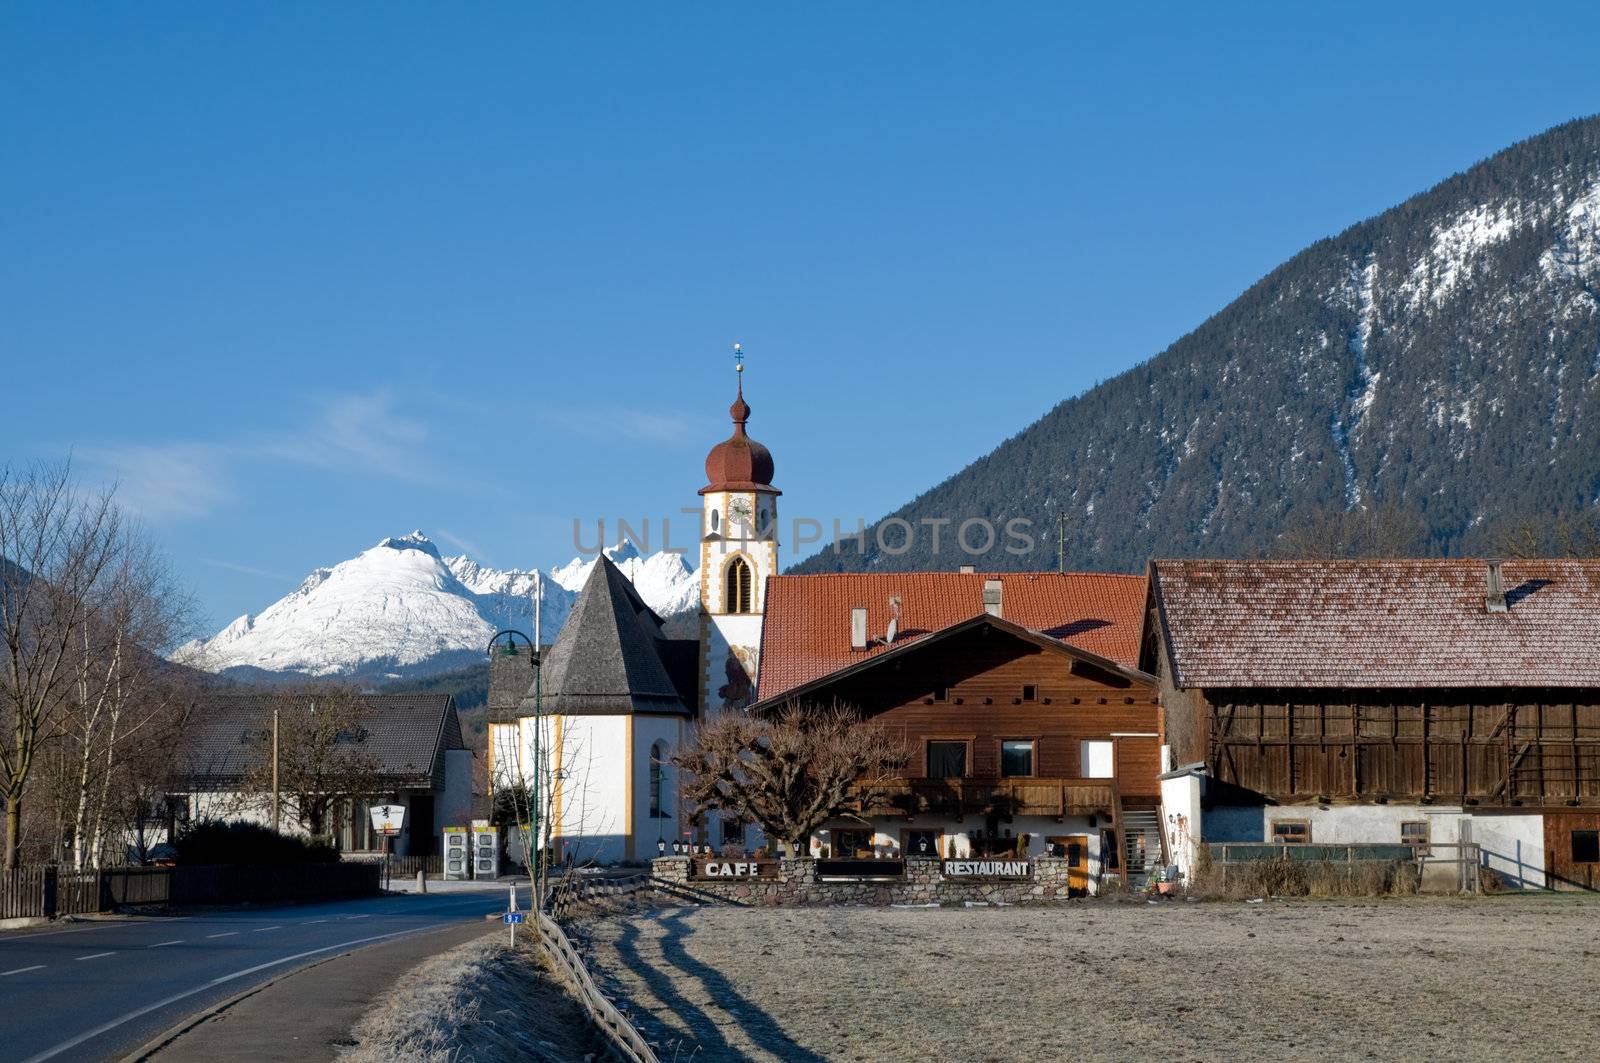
{"points": [[1411, 623], [806, 632]]}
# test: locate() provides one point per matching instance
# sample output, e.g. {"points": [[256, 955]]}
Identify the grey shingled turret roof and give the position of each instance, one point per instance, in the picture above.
{"points": [[608, 658]]}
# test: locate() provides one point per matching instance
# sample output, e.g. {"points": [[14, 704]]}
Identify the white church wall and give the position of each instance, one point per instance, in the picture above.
{"points": [[592, 813], [648, 732]]}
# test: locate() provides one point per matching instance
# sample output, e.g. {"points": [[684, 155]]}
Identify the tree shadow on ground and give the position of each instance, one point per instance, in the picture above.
{"points": [[701, 1027]]}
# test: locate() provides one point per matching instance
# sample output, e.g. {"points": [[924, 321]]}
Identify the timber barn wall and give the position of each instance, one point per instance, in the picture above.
{"points": [[1489, 748]]}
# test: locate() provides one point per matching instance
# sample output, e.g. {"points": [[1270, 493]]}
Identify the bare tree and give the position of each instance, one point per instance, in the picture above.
{"points": [[57, 545], [123, 691], [1576, 536], [323, 754], [791, 771], [1380, 529]]}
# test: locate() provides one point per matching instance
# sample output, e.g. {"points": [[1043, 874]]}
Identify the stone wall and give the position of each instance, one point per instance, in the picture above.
{"points": [[923, 883]]}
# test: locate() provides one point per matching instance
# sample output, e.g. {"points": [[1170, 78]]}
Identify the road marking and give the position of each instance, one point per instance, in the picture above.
{"points": [[106, 1027], [310, 921], [97, 955], [107, 924], [264, 929], [356, 917], [22, 970], [228, 934], [164, 944]]}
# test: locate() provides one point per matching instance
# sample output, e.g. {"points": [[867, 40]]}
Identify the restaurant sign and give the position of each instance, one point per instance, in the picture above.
{"points": [[736, 869], [1009, 869]]}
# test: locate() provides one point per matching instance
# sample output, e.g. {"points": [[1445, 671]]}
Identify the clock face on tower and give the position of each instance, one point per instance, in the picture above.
{"points": [[739, 512]]}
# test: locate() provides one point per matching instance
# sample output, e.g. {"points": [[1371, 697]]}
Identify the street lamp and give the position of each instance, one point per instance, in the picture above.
{"points": [[509, 649]]}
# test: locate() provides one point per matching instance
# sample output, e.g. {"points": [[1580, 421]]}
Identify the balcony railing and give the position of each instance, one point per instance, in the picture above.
{"points": [[1029, 796]]}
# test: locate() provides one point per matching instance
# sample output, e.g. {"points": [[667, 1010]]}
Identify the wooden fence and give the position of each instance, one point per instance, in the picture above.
{"points": [[403, 867], [49, 892], [571, 889], [234, 883], [625, 1038]]}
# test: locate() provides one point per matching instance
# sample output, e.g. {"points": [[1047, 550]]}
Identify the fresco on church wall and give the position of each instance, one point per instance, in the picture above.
{"points": [[738, 666]]}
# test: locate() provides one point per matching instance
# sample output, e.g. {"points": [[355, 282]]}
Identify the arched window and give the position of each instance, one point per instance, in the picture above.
{"points": [[658, 781], [714, 519], [737, 590]]}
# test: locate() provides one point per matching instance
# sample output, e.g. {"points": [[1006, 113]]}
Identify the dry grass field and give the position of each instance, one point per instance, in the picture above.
{"points": [[1498, 978], [478, 1003]]}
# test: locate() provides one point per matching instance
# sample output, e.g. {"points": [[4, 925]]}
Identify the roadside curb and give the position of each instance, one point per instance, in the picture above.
{"points": [[166, 1038]]}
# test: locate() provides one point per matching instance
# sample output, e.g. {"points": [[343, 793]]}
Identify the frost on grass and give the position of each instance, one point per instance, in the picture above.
{"points": [[1500, 978], [477, 1002]]}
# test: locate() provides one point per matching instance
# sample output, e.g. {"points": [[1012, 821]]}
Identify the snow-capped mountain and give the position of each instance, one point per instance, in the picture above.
{"points": [[401, 609]]}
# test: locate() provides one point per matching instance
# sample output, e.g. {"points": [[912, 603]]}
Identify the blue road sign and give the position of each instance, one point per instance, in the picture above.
{"points": [[515, 917]]}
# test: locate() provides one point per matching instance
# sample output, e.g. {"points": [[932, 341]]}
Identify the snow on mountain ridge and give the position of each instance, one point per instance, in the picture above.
{"points": [[400, 608]]}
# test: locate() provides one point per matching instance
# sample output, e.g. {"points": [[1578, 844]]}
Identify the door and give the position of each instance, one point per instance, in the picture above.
{"points": [[421, 839], [1078, 863]]}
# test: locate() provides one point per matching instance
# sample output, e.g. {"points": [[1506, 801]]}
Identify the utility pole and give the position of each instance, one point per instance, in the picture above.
{"points": [[276, 805], [538, 723]]}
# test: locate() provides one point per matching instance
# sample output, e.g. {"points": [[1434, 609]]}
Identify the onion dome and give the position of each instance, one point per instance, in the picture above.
{"points": [[739, 463]]}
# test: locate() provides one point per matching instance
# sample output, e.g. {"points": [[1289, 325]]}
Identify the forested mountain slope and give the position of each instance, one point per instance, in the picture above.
{"points": [[1443, 358]]}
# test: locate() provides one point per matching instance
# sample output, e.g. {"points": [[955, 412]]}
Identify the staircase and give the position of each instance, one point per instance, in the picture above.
{"points": [[1141, 844]]}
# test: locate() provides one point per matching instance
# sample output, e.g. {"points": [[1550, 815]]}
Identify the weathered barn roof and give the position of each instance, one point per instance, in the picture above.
{"points": [[1404, 623], [406, 734], [610, 657], [806, 632]]}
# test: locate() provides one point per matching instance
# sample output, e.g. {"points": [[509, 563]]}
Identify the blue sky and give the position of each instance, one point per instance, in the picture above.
{"points": [[303, 276]]}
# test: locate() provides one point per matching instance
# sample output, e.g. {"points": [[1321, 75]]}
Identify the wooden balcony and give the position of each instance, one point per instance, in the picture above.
{"points": [[1029, 796]]}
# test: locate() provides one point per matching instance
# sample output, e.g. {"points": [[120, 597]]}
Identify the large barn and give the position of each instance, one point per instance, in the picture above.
{"points": [[1400, 701]]}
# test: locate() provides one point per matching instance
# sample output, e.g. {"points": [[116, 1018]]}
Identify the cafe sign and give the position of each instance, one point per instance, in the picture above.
{"points": [[736, 869], [1006, 869]]}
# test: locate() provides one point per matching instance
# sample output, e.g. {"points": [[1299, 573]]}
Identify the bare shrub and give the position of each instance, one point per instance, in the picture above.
{"points": [[1279, 876]]}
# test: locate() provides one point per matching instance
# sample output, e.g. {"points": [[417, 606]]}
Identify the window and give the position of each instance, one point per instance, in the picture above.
{"points": [[732, 832], [1414, 832], [1016, 757], [921, 843], [1291, 832], [852, 844], [1029, 692], [947, 760], [941, 693], [658, 778], [715, 520], [737, 587], [1097, 759], [1586, 847]]}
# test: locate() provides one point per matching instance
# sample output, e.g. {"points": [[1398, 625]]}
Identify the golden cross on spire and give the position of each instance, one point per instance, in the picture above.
{"points": [[738, 357]]}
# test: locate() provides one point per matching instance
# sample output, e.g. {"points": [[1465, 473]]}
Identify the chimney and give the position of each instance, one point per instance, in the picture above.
{"points": [[1494, 588], [894, 621], [967, 570], [993, 592], [858, 627]]}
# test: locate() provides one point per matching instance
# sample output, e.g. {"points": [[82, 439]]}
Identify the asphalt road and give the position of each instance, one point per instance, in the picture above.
{"points": [[99, 990]]}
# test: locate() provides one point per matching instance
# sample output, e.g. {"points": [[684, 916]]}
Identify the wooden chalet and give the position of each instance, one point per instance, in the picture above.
{"points": [[1028, 726], [1417, 701]]}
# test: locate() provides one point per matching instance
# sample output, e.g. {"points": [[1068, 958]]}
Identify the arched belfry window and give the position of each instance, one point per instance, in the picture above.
{"points": [[658, 781], [738, 590]]}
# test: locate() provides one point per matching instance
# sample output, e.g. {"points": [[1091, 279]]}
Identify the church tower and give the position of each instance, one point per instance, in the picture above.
{"points": [[738, 551]]}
